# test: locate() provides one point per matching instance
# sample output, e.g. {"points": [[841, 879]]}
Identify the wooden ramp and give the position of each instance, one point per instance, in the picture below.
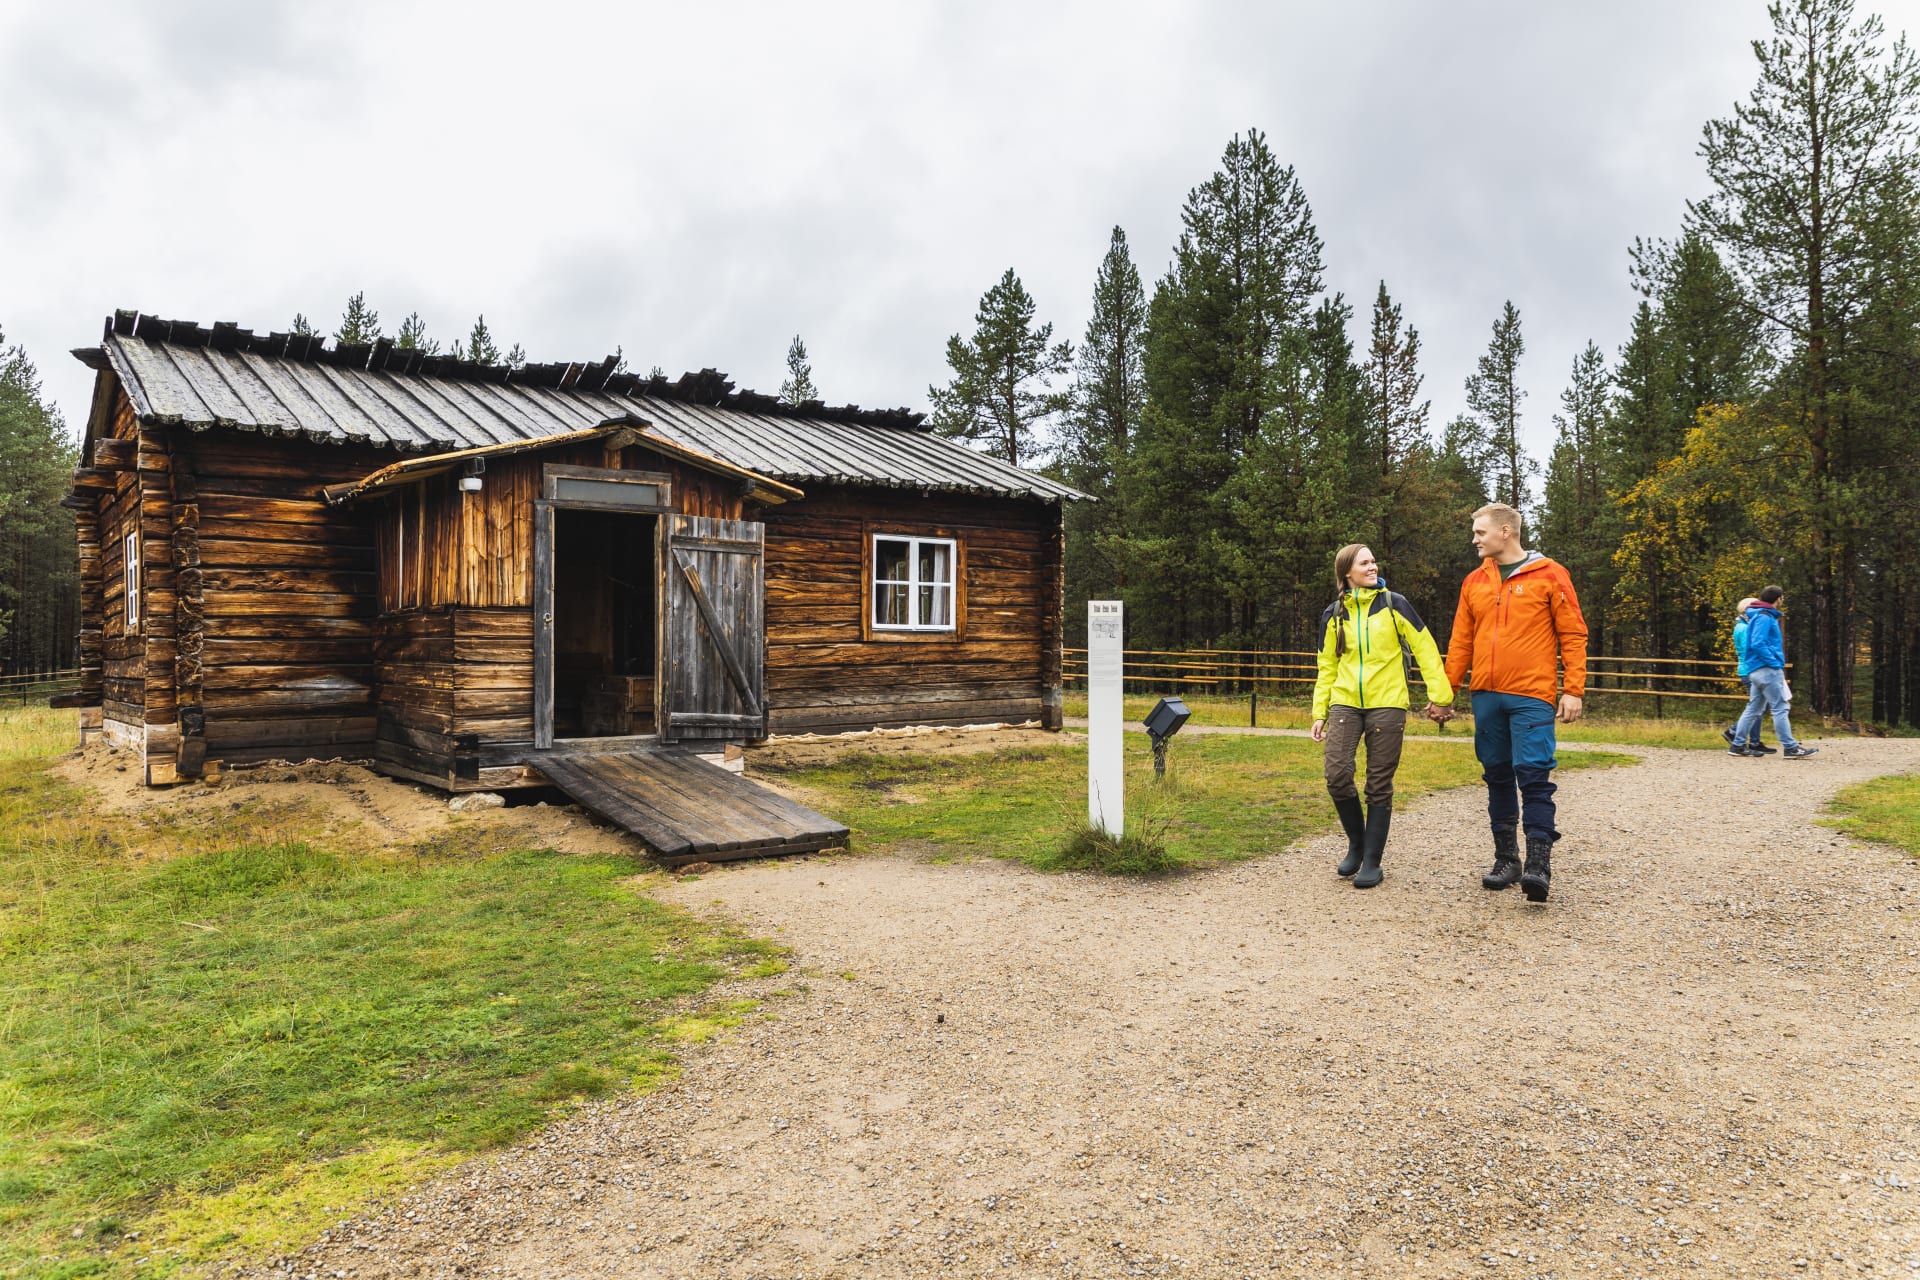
{"points": [[687, 810]]}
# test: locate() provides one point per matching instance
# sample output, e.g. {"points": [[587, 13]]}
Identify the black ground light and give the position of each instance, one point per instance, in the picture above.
{"points": [[1162, 723]]}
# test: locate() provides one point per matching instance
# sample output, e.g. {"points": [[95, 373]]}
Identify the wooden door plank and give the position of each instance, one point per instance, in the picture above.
{"points": [[542, 625]]}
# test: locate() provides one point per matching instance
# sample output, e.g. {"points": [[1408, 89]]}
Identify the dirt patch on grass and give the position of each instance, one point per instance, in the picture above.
{"points": [[332, 802]]}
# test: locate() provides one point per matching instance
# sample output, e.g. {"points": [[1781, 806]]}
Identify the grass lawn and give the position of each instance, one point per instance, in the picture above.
{"points": [[1885, 809], [1227, 798], [215, 1038], [1639, 731]]}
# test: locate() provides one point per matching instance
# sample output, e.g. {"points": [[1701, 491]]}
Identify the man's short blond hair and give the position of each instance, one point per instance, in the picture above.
{"points": [[1500, 513]]}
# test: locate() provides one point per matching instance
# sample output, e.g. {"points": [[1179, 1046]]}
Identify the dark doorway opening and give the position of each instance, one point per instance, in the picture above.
{"points": [[606, 584]]}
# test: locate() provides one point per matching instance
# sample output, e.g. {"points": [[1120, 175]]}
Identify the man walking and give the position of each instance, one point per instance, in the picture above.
{"points": [[1743, 667], [1767, 680], [1517, 625]]}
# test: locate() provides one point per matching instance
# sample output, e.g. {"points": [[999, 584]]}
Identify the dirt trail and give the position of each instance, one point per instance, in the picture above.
{"points": [[1700, 1058]]}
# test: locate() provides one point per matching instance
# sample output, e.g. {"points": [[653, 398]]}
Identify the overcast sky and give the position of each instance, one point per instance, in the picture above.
{"points": [[698, 183]]}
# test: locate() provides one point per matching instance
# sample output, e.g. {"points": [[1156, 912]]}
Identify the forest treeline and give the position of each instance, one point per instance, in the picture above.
{"points": [[39, 561], [1760, 424]]}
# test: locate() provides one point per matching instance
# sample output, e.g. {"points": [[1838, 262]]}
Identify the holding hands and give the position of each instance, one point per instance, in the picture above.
{"points": [[1438, 714]]}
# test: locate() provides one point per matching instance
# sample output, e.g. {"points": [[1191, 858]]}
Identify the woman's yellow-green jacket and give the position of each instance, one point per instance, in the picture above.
{"points": [[1367, 671]]}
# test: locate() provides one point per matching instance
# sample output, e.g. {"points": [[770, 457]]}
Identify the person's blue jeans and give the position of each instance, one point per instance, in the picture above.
{"points": [[1746, 687], [1767, 692], [1513, 737]]}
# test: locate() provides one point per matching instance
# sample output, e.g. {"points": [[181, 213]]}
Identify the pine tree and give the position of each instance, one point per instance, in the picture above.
{"points": [[516, 357], [1223, 347], [480, 348], [1576, 524], [413, 336], [302, 327], [359, 323], [1710, 334], [1001, 395], [1800, 172], [1397, 417], [1109, 393], [1494, 395], [798, 389]]}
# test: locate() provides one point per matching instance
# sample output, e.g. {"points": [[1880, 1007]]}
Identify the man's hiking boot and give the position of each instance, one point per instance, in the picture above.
{"points": [[1533, 881], [1379, 821], [1506, 862], [1757, 747], [1739, 750], [1728, 735], [1798, 752], [1354, 821]]}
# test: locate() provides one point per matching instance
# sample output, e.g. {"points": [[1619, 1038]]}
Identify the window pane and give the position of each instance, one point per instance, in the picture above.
{"points": [[935, 562], [890, 605], [889, 560], [626, 493]]}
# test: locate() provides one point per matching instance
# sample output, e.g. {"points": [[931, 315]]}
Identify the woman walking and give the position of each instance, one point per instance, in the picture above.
{"points": [[1369, 640]]}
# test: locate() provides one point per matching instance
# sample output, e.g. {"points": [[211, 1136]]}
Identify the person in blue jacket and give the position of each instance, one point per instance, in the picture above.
{"points": [[1744, 669], [1767, 678]]}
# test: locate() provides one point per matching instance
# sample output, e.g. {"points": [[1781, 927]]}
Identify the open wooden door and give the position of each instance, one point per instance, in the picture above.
{"points": [[713, 629]]}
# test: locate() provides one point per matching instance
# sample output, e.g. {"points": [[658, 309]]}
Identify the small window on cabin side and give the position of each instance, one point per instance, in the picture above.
{"points": [[132, 579], [913, 584]]}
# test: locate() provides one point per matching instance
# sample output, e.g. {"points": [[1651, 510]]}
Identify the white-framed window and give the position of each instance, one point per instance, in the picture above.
{"points": [[913, 583], [131, 550]]}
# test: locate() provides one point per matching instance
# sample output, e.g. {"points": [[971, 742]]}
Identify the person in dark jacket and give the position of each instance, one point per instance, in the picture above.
{"points": [[1767, 677]]}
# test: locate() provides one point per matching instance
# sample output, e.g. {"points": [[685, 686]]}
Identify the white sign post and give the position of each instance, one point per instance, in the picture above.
{"points": [[1106, 781]]}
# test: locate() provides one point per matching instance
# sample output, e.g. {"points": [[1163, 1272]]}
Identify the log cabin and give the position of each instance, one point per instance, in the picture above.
{"points": [[291, 549]]}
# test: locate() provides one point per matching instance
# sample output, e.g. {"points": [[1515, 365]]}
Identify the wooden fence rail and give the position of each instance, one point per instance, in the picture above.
{"points": [[38, 684], [1264, 670]]}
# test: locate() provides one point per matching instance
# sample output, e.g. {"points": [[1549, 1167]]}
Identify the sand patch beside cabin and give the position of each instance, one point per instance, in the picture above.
{"points": [[339, 802]]}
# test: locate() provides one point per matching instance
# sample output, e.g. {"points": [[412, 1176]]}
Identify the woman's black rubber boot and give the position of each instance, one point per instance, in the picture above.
{"points": [[1379, 819], [1506, 862], [1355, 823], [1533, 881]]}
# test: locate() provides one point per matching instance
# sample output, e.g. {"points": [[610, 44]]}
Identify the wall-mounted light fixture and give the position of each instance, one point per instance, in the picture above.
{"points": [[470, 477]]}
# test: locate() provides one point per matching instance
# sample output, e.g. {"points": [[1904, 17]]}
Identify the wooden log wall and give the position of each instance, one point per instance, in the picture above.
{"points": [[189, 617], [439, 546], [824, 676], [1053, 623], [123, 650], [455, 695], [92, 606], [286, 599]]}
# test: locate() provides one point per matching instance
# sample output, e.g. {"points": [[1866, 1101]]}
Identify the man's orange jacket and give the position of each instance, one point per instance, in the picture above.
{"points": [[1516, 633]]}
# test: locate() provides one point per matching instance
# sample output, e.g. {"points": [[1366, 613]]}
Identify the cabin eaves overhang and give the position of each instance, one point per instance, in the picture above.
{"points": [[618, 433]]}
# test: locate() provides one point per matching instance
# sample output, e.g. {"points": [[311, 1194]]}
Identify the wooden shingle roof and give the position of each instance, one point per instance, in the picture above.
{"points": [[180, 374]]}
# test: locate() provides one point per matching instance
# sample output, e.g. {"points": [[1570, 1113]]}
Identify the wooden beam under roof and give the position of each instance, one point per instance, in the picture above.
{"points": [[634, 431]]}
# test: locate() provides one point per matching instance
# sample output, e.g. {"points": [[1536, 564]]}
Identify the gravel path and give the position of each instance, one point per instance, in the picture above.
{"points": [[1699, 1058]]}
